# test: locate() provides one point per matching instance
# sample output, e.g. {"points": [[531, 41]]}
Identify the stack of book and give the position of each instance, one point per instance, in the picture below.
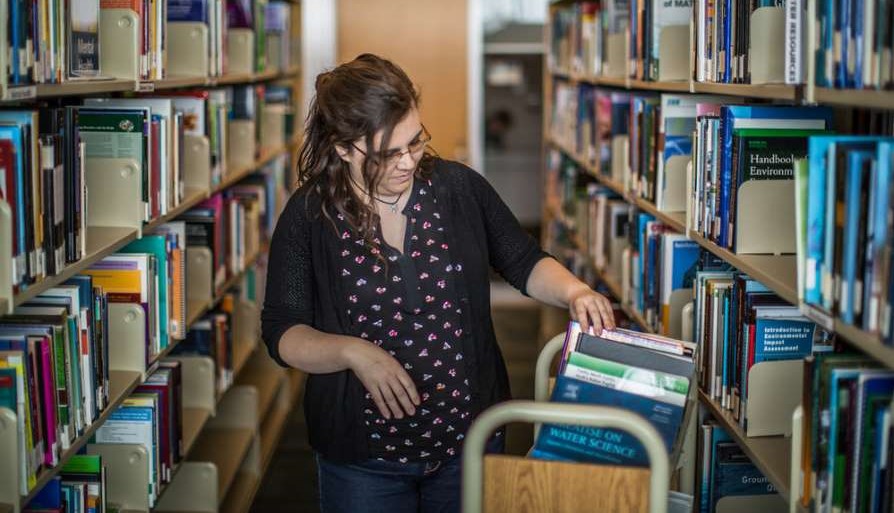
{"points": [[845, 230], [847, 433], [729, 480], [45, 188], [739, 324], [853, 44], [212, 336], [210, 14], [657, 269], [153, 48], [649, 375], [150, 417], [49, 42], [727, 35], [742, 180], [79, 488], [54, 370]]}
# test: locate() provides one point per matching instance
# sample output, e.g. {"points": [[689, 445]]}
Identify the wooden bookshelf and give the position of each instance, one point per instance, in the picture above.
{"points": [[787, 93], [195, 309], [790, 93], [866, 98], [777, 272], [238, 173], [866, 342], [192, 197], [194, 420], [236, 443], [101, 241], [683, 86], [771, 454], [267, 380], [85, 87], [676, 220], [121, 384], [242, 354], [241, 494], [178, 83]]}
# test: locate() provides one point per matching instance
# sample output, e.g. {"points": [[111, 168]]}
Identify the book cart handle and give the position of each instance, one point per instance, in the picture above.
{"points": [[577, 414], [544, 360]]}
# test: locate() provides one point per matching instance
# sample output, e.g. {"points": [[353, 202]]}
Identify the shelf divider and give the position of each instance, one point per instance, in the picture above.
{"points": [[771, 454]]}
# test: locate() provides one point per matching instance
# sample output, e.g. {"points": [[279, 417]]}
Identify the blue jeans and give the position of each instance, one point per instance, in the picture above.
{"points": [[391, 487]]}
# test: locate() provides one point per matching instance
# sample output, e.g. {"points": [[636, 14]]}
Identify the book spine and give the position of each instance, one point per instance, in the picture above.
{"points": [[794, 41]]}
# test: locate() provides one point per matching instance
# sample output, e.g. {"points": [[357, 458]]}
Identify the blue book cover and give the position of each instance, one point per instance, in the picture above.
{"points": [[873, 288], [733, 474], [826, 11], [718, 436], [642, 234], [157, 245], [820, 166], [578, 443], [49, 497], [843, 30], [782, 339], [874, 396], [853, 188], [756, 116], [856, 77], [188, 10], [881, 466]]}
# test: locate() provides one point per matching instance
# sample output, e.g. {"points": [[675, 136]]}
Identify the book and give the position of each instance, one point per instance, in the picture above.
{"points": [[83, 34]]}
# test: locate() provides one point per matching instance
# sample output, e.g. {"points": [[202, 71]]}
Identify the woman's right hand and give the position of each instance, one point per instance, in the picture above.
{"points": [[384, 377]]}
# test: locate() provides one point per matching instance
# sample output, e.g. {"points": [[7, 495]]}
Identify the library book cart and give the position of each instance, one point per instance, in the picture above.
{"points": [[783, 41], [498, 483], [230, 430]]}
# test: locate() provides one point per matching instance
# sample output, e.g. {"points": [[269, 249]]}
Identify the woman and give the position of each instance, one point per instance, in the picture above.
{"points": [[378, 288]]}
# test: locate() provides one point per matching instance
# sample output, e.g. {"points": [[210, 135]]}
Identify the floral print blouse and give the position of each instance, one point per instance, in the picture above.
{"points": [[406, 303]]}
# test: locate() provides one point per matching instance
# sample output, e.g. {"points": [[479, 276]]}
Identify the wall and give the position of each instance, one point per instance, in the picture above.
{"points": [[428, 39]]}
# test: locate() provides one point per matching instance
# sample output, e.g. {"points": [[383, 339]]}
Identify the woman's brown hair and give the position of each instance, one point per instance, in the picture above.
{"points": [[353, 101]]}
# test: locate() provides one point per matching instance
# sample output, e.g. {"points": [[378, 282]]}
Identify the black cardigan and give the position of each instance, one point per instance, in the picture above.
{"points": [[302, 289]]}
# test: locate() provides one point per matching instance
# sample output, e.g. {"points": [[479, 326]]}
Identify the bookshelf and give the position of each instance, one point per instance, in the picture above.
{"points": [[218, 438], [121, 384], [771, 454]]}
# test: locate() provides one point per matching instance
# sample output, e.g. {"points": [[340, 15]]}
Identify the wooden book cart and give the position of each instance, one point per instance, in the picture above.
{"points": [[498, 483]]}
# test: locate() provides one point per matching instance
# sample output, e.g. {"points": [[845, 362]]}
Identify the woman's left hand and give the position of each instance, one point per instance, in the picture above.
{"points": [[591, 308]]}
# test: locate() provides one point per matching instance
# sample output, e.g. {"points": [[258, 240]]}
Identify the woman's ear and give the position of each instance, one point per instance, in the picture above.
{"points": [[343, 153]]}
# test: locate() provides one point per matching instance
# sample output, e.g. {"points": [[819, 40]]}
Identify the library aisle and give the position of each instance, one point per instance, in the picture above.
{"points": [[719, 172]]}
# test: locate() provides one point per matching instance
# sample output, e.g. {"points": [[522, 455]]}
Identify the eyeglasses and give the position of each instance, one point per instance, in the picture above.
{"points": [[392, 157]]}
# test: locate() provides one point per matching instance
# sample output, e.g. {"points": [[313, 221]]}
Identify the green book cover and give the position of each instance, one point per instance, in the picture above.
{"points": [[628, 378], [767, 154], [117, 134], [83, 464]]}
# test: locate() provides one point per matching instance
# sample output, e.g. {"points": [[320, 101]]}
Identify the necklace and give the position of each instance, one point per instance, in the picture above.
{"points": [[391, 204]]}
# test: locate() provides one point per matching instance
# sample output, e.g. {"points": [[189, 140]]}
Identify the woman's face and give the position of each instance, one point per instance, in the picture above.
{"points": [[398, 168]]}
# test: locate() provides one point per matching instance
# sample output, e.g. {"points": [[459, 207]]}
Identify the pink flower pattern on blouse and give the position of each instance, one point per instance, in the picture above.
{"points": [[407, 305]]}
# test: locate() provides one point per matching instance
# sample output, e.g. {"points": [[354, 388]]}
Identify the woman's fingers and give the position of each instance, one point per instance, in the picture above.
{"points": [[391, 400], [579, 308], [403, 398], [608, 314], [407, 383], [593, 312], [379, 401]]}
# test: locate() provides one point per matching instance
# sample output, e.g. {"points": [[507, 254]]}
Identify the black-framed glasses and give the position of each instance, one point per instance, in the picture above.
{"points": [[392, 157]]}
